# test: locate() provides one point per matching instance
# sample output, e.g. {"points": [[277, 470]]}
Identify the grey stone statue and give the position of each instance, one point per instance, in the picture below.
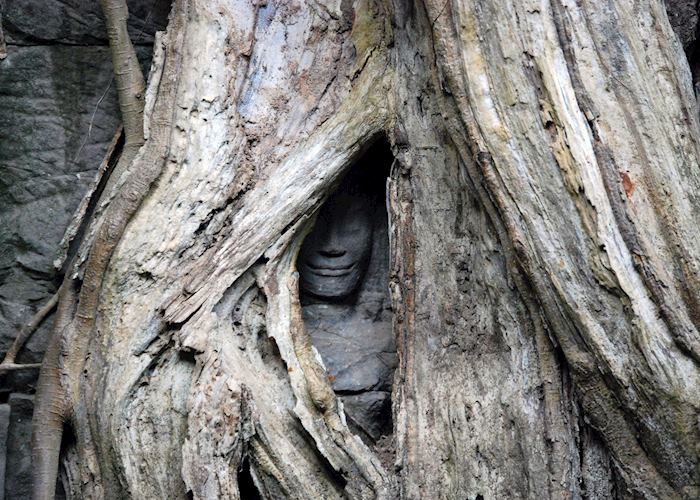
{"points": [[343, 266]]}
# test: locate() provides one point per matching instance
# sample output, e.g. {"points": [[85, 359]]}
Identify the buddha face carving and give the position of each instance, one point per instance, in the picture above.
{"points": [[335, 255]]}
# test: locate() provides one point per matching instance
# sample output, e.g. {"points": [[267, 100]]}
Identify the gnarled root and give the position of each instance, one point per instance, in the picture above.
{"points": [[50, 414], [63, 361], [26, 332]]}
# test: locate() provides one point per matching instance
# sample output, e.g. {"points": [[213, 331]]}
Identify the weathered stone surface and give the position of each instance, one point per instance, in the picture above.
{"points": [[334, 257], [4, 424], [18, 469], [683, 15], [77, 21], [15, 449], [360, 356], [59, 113], [370, 413]]}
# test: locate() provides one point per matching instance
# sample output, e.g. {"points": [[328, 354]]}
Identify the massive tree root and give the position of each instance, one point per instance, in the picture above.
{"points": [[59, 377]]}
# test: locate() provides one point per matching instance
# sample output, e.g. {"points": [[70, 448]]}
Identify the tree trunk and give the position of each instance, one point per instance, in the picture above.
{"points": [[545, 266]]}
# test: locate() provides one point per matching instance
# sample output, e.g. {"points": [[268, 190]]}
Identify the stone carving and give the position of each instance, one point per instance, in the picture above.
{"points": [[343, 266], [335, 255]]}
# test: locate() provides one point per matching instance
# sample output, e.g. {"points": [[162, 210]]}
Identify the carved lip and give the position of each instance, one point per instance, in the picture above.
{"points": [[331, 271]]}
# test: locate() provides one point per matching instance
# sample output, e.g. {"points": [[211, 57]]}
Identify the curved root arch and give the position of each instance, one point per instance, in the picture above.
{"points": [[240, 179]]}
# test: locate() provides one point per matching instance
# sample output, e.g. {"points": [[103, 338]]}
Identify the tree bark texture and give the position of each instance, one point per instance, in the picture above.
{"points": [[544, 256]]}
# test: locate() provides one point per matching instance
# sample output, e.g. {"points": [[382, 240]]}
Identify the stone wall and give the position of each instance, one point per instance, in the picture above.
{"points": [[58, 112]]}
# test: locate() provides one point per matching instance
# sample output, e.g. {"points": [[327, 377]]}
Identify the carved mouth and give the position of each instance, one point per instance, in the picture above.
{"points": [[330, 271]]}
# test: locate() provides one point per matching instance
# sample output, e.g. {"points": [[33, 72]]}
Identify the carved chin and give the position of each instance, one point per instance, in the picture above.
{"points": [[325, 285]]}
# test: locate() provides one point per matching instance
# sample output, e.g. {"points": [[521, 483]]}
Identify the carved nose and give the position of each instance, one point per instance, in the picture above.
{"points": [[332, 252]]}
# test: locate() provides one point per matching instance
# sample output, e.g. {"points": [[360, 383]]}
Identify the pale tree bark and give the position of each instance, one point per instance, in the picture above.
{"points": [[544, 257]]}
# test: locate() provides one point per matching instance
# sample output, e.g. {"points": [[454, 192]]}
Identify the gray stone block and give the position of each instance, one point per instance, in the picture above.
{"points": [[683, 16], [4, 424], [369, 412], [35, 22], [18, 471], [59, 113]]}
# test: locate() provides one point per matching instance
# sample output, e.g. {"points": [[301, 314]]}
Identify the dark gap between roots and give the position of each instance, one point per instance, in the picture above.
{"points": [[246, 485]]}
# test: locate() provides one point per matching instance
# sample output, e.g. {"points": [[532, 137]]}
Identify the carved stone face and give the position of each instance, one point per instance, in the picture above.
{"points": [[334, 257]]}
